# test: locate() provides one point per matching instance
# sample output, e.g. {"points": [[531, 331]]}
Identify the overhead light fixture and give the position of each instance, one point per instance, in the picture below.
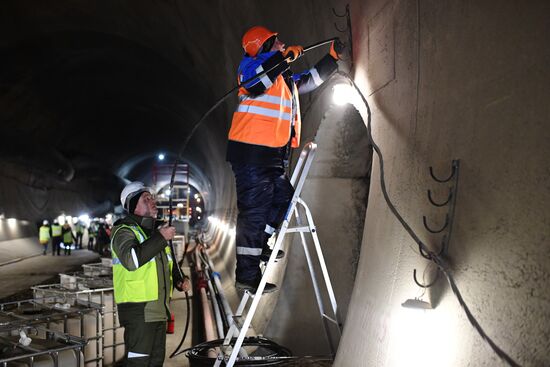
{"points": [[161, 157]]}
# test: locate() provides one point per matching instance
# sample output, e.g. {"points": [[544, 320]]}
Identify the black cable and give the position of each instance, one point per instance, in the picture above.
{"points": [[198, 354], [188, 319], [436, 258]]}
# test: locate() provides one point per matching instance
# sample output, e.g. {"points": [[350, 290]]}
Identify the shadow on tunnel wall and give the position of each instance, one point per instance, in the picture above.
{"points": [[336, 192]]}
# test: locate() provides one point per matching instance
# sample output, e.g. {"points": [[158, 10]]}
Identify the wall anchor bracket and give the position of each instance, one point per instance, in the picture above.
{"points": [[449, 217]]}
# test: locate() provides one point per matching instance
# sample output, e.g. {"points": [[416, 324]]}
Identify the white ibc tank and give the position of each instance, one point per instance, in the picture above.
{"points": [[71, 319], [93, 292]]}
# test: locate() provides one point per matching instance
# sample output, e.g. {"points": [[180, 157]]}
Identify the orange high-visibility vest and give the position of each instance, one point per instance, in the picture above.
{"points": [[267, 119]]}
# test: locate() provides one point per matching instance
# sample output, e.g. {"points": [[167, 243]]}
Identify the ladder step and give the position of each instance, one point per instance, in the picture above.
{"points": [[299, 229], [331, 319]]}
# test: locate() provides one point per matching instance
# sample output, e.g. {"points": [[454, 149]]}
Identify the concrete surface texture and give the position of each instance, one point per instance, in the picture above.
{"points": [[450, 80]]}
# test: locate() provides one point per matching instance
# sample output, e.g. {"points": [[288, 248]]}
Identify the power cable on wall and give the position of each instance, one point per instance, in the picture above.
{"points": [[436, 258]]}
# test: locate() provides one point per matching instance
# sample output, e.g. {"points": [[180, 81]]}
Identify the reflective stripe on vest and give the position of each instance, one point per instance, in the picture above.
{"points": [[140, 285], [44, 234], [56, 230], [267, 119]]}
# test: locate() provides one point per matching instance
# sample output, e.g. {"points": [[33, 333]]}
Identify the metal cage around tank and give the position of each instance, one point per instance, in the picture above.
{"points": [[92, 292]]}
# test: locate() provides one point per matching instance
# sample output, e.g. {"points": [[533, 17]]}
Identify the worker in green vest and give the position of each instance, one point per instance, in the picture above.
{"points": [[92, 233], [143, 276], [68, 238], [79, 229], [44, 235], [56, 237]]}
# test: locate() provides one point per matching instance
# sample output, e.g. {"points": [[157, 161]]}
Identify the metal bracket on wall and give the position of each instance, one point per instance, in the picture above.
{"points": [[347, 30], [449, 216]]}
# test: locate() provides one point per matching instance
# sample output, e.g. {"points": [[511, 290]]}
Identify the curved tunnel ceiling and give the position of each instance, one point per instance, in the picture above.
{"points": [[88, 89]]}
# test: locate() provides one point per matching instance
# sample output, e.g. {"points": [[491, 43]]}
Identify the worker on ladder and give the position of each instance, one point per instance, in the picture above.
{"points": [[264, 129]]}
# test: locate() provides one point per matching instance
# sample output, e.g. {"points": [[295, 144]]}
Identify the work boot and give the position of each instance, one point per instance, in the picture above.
{"points": [[253, 286], [266, 253]]}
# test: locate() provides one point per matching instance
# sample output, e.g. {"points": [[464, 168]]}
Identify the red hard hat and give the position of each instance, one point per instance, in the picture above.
{"points": [[254, 38]]}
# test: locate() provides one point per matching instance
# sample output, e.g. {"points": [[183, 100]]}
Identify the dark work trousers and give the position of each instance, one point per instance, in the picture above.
{"points": [[145, 342], [78, 240], [56, 242], [263, 196], [68, 248]]}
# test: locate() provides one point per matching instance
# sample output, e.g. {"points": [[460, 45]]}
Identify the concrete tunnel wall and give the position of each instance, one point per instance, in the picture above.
{"points": [[450, 80]]}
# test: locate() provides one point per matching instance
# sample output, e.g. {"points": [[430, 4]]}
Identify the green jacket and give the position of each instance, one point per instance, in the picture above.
{"points": [[122, 244]]}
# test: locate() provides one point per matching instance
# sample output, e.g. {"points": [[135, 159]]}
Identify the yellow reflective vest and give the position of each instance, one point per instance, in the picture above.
{"points": [[140, 285], [44, 234], [56, 230]]}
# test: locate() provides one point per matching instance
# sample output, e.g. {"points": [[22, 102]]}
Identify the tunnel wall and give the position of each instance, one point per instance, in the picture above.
{"points": [[451, 80]]}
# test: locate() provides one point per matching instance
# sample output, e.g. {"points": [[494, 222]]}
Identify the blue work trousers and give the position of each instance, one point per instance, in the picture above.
{"points": [[263, 197]]}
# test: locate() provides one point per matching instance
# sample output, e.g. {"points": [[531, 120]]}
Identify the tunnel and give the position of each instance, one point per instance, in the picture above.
{"points": [[429, 188]]}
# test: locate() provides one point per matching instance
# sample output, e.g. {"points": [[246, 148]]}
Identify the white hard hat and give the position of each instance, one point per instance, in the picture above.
{"points": [[131, 190], [45, 222]]}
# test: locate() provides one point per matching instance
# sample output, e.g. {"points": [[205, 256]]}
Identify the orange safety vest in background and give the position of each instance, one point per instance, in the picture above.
{"points": [[267, 119]]}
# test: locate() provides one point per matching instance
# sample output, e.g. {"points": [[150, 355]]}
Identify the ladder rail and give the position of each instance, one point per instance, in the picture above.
{"points": [[313, 274], [323, 265]]}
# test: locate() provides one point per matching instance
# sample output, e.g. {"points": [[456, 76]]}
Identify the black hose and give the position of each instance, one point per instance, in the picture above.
{"points": [[188, 319], [436, 258], [276, 354]]}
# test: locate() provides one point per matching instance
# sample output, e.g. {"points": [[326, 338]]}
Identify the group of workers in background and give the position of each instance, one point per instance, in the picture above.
{"points": [[66, 236]]}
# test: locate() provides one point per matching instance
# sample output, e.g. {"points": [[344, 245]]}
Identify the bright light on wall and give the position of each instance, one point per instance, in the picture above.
{"points": [[180, 205], [12, 222], [342, 94], [222, 226], [161, 157]]}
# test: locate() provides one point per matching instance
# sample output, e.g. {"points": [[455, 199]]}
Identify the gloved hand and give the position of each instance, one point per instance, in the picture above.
{"points": [[294, 52], [337, 48], [185, 285]]}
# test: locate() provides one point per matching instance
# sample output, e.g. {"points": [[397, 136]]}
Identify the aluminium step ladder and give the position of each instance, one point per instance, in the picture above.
{"points": [[229, 352]]}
